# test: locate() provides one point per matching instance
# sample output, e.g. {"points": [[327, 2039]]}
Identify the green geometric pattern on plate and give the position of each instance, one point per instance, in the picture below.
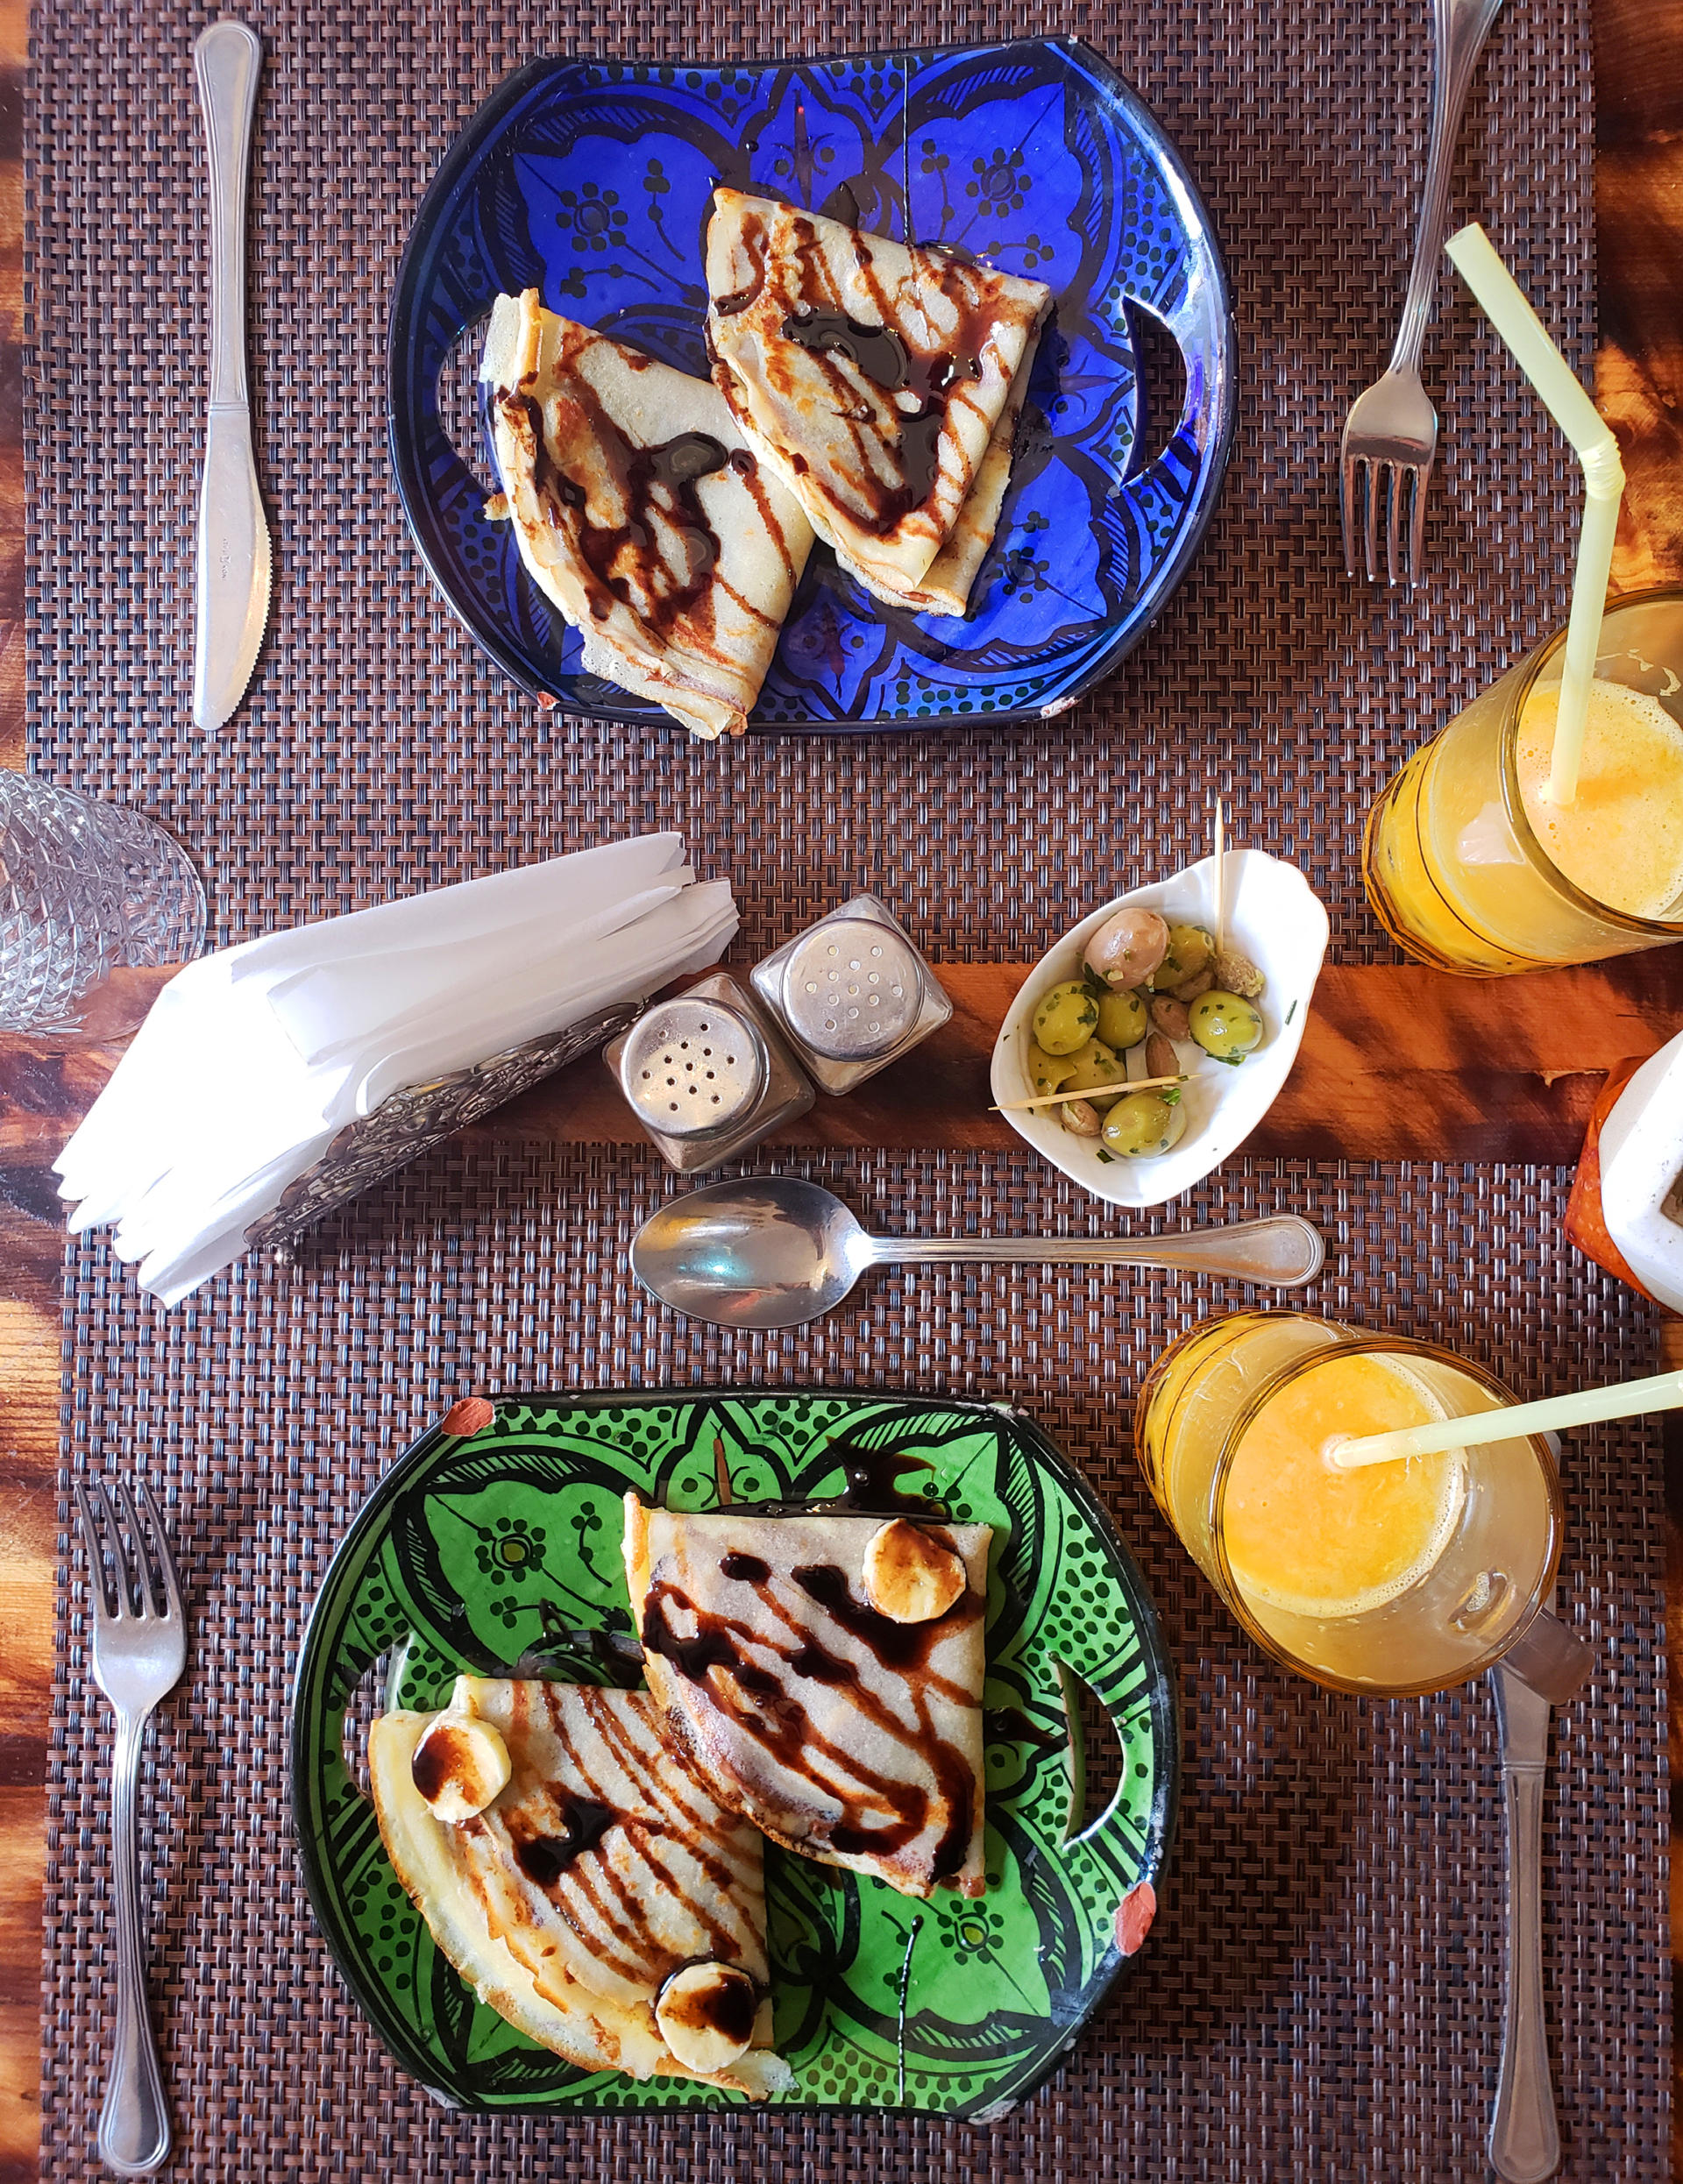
{"points": [[482, 1553]]}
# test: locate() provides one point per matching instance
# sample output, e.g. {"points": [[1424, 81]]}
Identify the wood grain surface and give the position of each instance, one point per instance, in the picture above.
{"points": [[1639, 387], [1464, 1070], [31, 1255], [1396, 1064]]}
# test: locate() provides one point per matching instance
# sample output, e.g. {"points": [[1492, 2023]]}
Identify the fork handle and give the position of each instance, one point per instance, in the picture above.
{"points": [[1459, 30], [134, 2122], [1524, 2137]]}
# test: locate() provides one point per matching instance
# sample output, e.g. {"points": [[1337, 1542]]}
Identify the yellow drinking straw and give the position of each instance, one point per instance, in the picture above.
{"points": [[1625, 1399], [1475, 259]]}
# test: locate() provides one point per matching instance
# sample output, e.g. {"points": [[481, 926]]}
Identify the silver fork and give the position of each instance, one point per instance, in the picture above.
{"points": [[139, 1651], [1390, 435]]}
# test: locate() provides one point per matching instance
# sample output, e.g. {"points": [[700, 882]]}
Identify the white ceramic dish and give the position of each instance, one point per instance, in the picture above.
{"points": [[1642, 1174], [1275, 916]]}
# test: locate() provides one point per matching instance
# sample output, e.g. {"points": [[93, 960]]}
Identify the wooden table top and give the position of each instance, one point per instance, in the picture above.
{"points": [[1443, 1085]]}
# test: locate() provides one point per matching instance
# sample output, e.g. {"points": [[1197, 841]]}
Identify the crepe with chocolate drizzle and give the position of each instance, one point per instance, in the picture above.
{"points": [[846, 1736], [605, 1865], [945, 588], [872, 376], [642, 513]]}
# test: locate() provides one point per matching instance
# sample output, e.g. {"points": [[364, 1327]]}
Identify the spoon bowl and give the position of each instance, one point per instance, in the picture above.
{"points": [[771, 1250]]}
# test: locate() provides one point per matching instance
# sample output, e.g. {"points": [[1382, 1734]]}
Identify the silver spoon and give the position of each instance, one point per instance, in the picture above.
{"points": [[773, 1251]]}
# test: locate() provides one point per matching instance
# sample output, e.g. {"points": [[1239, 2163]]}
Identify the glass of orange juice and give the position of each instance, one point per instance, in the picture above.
{"points": [[1469, 866], [1394, 1577]]}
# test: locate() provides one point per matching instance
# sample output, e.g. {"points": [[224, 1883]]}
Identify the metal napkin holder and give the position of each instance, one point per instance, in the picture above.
{"points": [[412, 1121]]}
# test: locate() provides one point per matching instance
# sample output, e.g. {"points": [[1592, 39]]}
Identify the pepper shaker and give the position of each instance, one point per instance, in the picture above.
{"points": [[707, 1075], [852, 993]]}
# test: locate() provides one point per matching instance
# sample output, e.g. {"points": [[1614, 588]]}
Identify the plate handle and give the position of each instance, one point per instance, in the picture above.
{"points": [[1112, 1842], [1150, 504], [1101, 1828]]}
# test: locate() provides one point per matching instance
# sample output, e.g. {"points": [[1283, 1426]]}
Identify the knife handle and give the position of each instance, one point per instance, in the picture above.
{"points": [[227, 59], [1524, 2137]]}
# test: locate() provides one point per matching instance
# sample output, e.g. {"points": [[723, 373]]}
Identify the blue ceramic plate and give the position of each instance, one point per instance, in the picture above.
{"points": [[589, 179]]}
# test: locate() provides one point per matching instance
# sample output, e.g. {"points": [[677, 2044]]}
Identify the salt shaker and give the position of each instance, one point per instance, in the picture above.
{"points": [[708, 1074], [852, 993]]}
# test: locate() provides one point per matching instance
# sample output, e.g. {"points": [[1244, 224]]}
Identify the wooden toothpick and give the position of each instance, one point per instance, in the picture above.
{"points": [[1063, 1099], [1221, 887]]}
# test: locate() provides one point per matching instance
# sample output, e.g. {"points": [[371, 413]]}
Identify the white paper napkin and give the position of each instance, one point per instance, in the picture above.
{"points": [[254, 1058]]}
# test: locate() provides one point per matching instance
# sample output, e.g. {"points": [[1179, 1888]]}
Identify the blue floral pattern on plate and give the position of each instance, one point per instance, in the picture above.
{"points": [[589, 179]]}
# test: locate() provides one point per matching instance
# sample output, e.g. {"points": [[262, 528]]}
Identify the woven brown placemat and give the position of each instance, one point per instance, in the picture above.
{"points": [[1321, 1994], [1321, 1997]]}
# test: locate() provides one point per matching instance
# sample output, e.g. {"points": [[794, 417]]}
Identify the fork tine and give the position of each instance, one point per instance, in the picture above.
{"points": [[136, 1564], [162, 1556], [104, 1539], [1417, 529], [1348, 487], [1400, 476], [96, 1547], [1376, 471]]}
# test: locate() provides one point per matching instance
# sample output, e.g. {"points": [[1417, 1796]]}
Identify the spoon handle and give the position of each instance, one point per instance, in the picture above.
{"points": [[1284, 1251]]}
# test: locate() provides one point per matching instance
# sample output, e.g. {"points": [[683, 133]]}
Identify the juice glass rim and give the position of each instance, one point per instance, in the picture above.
{"points": [[1370, 1345], [1151, 1387], [1513, 803]]}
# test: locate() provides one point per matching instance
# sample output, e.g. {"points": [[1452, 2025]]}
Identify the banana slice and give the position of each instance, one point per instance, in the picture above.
{"points": [[459, 1766], [706, 2014], [910, 1577]]}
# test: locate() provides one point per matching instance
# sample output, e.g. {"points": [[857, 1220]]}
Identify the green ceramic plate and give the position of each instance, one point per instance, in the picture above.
{"points": [[492, 1552]]}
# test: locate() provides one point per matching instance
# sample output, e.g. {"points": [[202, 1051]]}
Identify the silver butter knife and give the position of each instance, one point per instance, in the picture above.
{"points": [[1524, 2137], [233, 584]]}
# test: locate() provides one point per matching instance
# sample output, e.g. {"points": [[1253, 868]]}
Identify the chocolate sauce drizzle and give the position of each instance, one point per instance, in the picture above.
{"points": [[902, 1647], [877, 350], [767, 1705], [544, 1859], [660, 561], [872, 1488], [713, 1645], [657, 484], [606, 1898], [881, 354], [731, 2008], [884, 357]]}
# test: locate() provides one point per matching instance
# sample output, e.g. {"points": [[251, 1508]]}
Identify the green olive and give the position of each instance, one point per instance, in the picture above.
{"points": [[1191, 948], [1224, 1025], [1144, 1124], [1122, 1020], [1066, 1018], [1048, 1072], [1095, 1070]]}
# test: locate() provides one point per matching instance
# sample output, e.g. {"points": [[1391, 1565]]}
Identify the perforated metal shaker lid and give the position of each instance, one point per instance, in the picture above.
{"points": [[852, 989], [690, 1066]]}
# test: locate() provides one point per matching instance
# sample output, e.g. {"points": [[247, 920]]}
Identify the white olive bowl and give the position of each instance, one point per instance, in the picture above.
{"points": [[1272, 915]]}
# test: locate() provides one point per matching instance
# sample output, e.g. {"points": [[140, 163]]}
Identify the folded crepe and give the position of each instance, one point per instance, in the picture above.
{"points": [[872, 376], [945, 588], [825, 1672], [583, 1878], [642, 513]]}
